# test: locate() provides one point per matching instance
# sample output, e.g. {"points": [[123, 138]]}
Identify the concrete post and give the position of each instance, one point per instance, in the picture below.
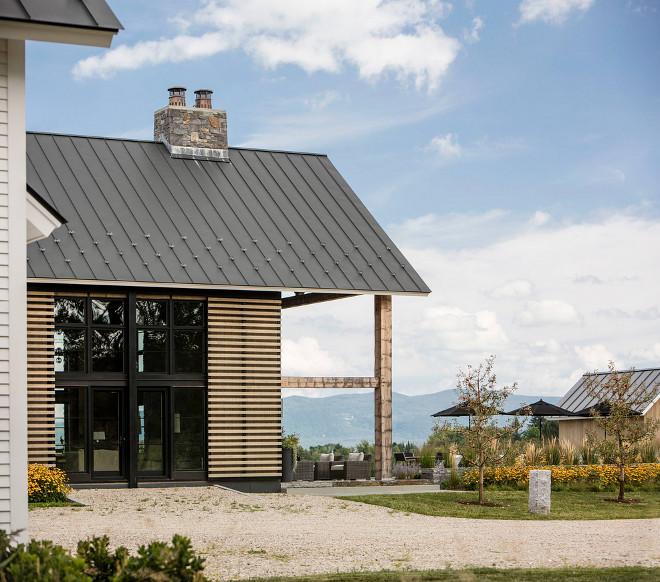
{"points": [[539, 492]]}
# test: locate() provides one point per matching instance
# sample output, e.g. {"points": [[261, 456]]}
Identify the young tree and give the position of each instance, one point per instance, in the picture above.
{"points": [[477, 391], [625, 430]]}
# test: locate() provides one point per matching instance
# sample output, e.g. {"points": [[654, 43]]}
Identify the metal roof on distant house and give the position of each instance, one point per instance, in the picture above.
{"points": [[267, 220], [578, 398], [92, 14]]}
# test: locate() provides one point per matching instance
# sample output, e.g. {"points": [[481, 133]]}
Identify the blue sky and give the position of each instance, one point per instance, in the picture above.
{"points": [[510, 149]]}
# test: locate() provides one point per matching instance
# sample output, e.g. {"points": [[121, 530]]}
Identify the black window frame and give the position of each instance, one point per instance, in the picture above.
{"points": [[171, 328], [89, 327]]}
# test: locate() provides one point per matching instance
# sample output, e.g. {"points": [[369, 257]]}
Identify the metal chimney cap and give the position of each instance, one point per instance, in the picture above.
{"points": [[177, 90]]}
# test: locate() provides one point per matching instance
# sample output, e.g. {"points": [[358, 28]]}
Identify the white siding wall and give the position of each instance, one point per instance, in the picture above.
{"points": [[13, 390]]}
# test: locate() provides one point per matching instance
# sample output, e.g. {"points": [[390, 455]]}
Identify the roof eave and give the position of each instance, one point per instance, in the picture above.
{"points": [[206, 286], [46, 32]]}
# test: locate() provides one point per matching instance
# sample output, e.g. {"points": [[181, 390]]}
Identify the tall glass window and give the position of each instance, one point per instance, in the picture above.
{"points": [[189, 429], [70, 429], [170, 336], [89, 335]]}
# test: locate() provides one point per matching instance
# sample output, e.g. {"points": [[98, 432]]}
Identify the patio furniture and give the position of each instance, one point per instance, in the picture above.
{"points": [[399, 458], [357, 468], [304, 471], [322, 467]]}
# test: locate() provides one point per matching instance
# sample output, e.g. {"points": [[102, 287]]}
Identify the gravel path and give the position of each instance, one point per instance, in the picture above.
{"points": [[280, 535]]}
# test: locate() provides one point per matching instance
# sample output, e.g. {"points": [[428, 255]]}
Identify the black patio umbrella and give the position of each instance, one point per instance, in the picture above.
{"points": [[541, 408], [456, 410], [459, 410], [602, 408]]}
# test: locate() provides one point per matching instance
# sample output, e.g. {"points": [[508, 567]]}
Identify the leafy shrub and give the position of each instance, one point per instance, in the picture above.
{"points": [[38, 562], [102, 566], [46, 562], [46, 484]]}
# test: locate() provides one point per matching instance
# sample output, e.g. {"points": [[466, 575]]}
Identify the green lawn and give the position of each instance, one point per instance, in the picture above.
{"points": [[565, 505], [630, 574], [35, 505]]}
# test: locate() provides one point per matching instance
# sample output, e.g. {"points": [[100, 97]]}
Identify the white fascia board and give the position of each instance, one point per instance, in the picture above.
{"points": [[16, 30], [651, 405], [208, 287], [39, 221]]}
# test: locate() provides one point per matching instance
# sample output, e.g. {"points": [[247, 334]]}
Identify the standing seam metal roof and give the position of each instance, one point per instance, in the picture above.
{"points": [[266, 219], [92, 14], [577, 398]]}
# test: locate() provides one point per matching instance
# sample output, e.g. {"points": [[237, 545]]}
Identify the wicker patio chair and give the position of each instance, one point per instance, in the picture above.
{"points": [[358, 469], [322, 468]]}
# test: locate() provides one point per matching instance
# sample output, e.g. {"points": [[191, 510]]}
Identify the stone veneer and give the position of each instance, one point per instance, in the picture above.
{"points": [[191, 132]]}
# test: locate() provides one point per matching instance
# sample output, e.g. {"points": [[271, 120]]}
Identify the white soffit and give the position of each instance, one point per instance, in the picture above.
{"points": [[54, 33], [40, 222]]}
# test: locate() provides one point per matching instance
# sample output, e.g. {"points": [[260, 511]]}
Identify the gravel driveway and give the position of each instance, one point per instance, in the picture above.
{"points": [[278, 535]]}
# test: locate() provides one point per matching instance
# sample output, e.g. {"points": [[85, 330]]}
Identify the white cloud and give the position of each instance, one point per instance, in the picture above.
{"points": [[320, 101], [304, 357], [445, 146], [551, 11], [596, 357], [517, 289], [512, 290], [401, 38], [315, 127], [472, 35], [547, 312]]}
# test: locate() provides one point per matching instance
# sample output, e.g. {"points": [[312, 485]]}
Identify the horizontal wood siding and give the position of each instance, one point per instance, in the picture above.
{"points": [[244, 379], [41, 378]]}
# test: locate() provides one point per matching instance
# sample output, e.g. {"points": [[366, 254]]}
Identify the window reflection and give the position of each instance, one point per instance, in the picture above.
{"points": [[70, 350], [189, 313], [108, 312], [70, 310], [151, 312], [70, 429], [108, 350], [152, 351], [189, 429]]}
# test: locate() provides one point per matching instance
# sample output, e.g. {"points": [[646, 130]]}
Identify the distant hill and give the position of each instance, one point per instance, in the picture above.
{"points": [[349, 418]]}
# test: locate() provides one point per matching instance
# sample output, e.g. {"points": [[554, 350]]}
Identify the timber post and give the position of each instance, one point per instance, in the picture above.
{"points": [[383, 391]]}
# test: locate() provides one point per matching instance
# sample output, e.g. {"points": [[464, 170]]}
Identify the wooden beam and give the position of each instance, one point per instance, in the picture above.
{"points": [[309, 298], [328, 382], [383, 391]]}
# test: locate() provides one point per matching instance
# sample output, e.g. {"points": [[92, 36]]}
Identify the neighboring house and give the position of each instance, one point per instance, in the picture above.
{"points": [[578, 399], [24, 216], [155, 313]]}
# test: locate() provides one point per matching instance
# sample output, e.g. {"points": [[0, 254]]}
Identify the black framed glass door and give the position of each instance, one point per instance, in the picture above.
{"points": [[108, 437]]}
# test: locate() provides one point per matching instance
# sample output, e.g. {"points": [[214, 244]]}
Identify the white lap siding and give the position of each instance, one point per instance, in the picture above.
{"points": [[13, 408]]}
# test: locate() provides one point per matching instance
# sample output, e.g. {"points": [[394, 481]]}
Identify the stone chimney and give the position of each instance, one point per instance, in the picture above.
{"points": [[198, 132]]}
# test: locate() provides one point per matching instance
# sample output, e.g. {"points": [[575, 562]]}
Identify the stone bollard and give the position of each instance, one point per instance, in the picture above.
{"points": [[539, 492]]}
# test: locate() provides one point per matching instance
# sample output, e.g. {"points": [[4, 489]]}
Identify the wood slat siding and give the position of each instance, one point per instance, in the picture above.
{"points": [[244, 393], [41, 377]]}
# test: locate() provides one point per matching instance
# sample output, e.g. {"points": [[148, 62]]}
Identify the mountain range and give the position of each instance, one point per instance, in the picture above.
{"points": [[349, 418]]}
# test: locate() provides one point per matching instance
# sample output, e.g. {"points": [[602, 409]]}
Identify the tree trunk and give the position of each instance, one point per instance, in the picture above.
{"points": [[622, 478], [481, 477]]}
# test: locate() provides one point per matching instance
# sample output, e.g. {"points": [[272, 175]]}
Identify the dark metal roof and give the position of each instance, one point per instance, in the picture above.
{"points": [[264, 220], [577, 398], [94, 14]]}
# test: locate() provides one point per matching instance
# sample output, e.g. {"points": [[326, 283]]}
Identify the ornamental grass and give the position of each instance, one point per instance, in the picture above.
{"points": [[47, 484]]}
